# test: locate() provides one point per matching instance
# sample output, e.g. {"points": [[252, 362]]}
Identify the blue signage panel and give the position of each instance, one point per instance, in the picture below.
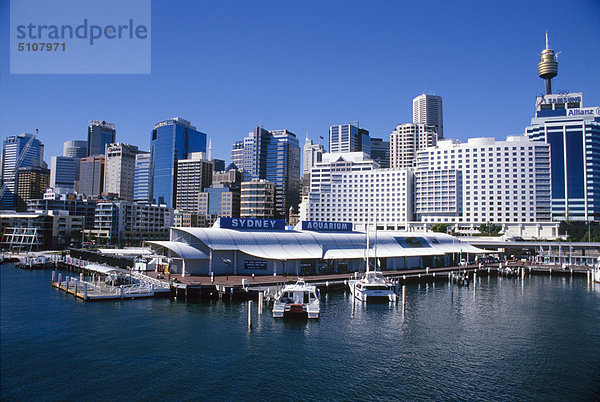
{"points": [[252, 224], [253, 265], [327, 226]]}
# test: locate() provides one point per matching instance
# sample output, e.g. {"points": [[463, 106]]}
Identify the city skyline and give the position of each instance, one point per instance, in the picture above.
{"points": [[304, 87]]}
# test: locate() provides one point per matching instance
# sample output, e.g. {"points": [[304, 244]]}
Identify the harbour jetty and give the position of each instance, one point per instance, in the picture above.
{"points": [[93, 281]]}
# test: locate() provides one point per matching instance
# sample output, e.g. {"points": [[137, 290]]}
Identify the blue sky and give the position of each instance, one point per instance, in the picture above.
{"points": [[229, 66]]}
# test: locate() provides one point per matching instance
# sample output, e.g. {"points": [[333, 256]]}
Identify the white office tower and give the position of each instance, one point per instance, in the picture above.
{"points": [[119, 170], [349, 138], [347, 187], [312, 153], [485, 181], [193, 176], [427, 109], [406, 140]]}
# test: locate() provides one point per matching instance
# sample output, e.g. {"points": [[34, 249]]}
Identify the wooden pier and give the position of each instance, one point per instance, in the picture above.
{"points": [[93, 281]]}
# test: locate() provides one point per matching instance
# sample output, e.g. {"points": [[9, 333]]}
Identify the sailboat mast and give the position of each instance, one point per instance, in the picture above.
{"points": [[375, 246], [368, 249]]}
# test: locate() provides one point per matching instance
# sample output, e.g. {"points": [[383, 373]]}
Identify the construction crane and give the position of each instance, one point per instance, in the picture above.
{"points": [[13, 174]]}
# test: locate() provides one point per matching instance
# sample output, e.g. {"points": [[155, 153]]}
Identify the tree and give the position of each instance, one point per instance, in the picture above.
{"points": [[490, 228], [440, 228]]}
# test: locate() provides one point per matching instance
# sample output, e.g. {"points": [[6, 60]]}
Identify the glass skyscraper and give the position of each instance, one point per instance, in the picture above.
{"points": [[274, 156], [100, 134], [64, 171], [142, 185], [22, 150], [573, 133], [75, 148], [172, 140]]}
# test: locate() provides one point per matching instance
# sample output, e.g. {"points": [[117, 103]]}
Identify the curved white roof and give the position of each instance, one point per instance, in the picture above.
{"points": [[283, 245], [293, 245], [183, 250]]}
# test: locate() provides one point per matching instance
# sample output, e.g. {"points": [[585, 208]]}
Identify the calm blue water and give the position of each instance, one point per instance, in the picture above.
{"points": [[510, 340]]}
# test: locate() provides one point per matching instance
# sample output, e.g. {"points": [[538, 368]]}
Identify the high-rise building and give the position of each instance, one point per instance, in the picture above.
{"points": [[119, 170], [142, 183], [427, 109], [237, 154], [312, 153], [274, 156], [380, 152], [283, 170], [349, 138], [218, 164], [231, 176], [22, 150], [91, 175], [406, 140], [257, 199], [100, 134], [572, 131], [483, 181], [75, 148], [193, 175], [32, 182], [64, 172], [172, 140], [219, 200], [350, 187]]}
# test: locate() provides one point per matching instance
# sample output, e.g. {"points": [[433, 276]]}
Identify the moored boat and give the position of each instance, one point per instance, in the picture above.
{"points": [[373, 286], [297, 300]]}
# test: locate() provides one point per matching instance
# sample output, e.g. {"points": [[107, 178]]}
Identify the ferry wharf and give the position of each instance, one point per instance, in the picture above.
{"points": [[247, 287], [91, 281]]}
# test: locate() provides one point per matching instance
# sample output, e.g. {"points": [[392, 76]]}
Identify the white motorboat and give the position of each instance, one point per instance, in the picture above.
{"points": [[373, 286], [297, 300]]}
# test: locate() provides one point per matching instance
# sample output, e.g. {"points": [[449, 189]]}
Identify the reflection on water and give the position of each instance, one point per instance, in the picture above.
{"points": [[500, 338]]}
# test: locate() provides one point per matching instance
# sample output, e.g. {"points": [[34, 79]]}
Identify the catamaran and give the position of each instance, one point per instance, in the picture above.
{"points": [[372, 286], [297, 300]]}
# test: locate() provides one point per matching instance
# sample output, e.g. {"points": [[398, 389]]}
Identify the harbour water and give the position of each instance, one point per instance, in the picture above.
{"points": [[503, 339]]}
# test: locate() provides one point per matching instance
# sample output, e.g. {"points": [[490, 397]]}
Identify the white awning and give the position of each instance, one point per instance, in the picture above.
{"points": [[183, 250], [103, 269]]}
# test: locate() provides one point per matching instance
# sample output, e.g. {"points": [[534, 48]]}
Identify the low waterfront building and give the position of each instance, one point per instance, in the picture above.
{"points": [[73, 204], [263, 247], [126, 223], [32, 231]]}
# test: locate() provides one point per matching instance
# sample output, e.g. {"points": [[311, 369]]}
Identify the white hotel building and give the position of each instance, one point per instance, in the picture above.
{"points": [[485, 181], [349, 187]]}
